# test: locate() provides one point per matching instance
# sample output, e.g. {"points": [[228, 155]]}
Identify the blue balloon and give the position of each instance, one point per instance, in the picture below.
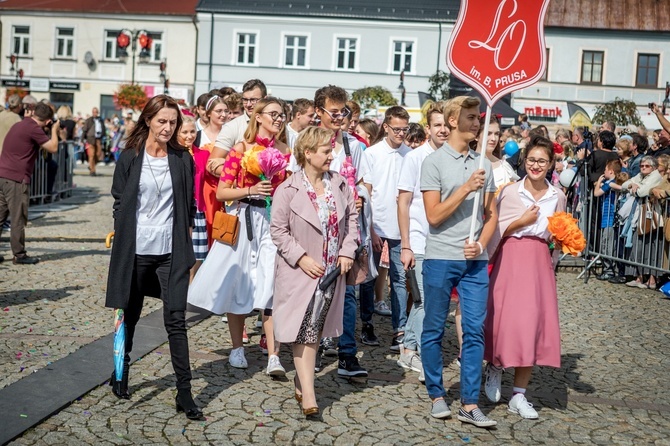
{"points": [[511, 148]]}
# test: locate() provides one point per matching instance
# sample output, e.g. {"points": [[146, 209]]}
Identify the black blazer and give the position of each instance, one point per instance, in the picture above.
{"points": [[125, 189]]}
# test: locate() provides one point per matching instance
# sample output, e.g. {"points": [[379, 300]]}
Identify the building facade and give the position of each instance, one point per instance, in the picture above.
{"points": [[69, 54]]}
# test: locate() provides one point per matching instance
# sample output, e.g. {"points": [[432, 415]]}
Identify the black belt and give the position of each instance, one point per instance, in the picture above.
{"points": [[247, 215]]}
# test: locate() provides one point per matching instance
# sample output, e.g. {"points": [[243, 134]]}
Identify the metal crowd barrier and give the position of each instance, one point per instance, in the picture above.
{"points": [[52, 177], [634, 242]]}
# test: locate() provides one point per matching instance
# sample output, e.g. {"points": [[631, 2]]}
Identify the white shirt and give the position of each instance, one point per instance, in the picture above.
{"points": [[356, 150], [291, 136], [198, 125], [547, 204], [232, 132], [410, 180], [503, 173], [154, 211], [381, 165]]}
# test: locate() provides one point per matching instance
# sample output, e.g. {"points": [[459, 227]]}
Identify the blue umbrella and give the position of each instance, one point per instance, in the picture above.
{"points": [[119, 342]]}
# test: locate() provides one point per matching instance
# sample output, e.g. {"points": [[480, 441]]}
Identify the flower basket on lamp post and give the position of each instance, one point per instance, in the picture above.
{"points": [[130, 96]]}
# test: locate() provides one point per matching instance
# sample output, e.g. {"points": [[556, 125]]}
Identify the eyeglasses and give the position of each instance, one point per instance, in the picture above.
{"points": [[221, 112], [646, 165], [275, 115], [540, 162], [398, 130], [340, 115], [250, 101]]}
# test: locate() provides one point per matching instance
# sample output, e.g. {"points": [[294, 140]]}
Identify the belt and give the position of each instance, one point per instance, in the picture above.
{"points": [[247, 215]]}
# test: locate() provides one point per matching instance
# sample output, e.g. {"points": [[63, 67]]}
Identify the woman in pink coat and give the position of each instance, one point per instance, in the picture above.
{"points": [[314, 227]]}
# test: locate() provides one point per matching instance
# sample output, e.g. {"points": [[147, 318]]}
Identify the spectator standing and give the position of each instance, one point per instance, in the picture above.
{"points": [[17, 162], [302, 117], [9, 117], [638, 148], [93, 132]]}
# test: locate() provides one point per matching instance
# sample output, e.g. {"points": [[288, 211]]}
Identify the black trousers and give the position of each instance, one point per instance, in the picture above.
{"points": [[175, 321]]}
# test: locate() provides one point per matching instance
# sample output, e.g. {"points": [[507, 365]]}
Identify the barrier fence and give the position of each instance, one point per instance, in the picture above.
{"points": [[52, 178]]}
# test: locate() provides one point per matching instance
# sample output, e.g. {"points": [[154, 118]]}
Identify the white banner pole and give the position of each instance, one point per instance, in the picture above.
{"points": [[475, 209]]}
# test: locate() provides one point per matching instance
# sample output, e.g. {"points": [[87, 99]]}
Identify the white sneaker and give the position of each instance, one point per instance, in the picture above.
{"points": [[520, 405], [493, 382], [224, 318], [422, 377], [410, 360], [274, 367], [382, 309], [237, 359]]}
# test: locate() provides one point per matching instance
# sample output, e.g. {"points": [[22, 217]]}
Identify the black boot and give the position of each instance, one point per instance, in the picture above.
{"points": [[120, 388], [184, 402]]}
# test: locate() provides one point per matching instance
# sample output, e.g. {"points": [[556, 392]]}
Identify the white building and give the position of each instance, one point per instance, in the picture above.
{"points": [[68, 52]]}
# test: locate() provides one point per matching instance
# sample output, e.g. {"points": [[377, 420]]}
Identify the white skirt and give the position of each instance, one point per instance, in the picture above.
{"points": [[237, 279]]}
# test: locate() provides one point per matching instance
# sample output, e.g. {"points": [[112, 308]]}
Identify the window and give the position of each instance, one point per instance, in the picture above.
{"points": [[296, 51], [156, 47], [346, 53], [592, 67], [21, 39], [545, 76], [110, 45], [65, 42], [402, 56], [246, 49], [647, 70]]}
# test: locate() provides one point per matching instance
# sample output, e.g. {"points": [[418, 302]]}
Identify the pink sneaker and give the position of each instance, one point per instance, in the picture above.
{"points": [[263, 344]]}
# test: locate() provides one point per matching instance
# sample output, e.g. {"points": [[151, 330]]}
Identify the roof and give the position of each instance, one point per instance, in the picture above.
{"points": [[143, 7], [629, 15], [426, 11]]}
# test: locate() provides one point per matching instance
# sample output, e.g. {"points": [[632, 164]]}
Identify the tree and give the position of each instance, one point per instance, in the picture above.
{"points": [[374, 97], [619, 111], [439, 85], [130, 96]]}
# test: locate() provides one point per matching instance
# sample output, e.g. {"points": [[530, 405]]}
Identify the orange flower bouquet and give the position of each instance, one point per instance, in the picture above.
{"points": [[565, 230]]}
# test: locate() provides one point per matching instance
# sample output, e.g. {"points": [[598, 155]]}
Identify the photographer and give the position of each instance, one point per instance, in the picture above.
{"points": [[656, 110], [17, 162]]}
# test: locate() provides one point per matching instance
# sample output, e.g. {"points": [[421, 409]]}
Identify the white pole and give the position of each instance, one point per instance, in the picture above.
{"points": [[475, 209]]}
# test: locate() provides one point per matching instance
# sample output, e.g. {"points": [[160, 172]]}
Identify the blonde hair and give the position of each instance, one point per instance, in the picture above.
{"points": [[310, 140], [454, 106], [434, 108], [625, 145], [252, 130], [64, 112]]}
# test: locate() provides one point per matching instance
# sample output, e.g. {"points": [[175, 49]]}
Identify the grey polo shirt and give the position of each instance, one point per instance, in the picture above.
{"points": [[446, 170]]}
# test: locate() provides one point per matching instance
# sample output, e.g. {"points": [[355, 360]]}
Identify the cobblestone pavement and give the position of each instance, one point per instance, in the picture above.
{"points": [[609, 390]]}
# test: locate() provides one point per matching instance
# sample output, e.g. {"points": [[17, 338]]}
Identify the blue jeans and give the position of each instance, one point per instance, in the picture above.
{"points": [[398, 288], [347, 343], [470, 277], [414, 326]]}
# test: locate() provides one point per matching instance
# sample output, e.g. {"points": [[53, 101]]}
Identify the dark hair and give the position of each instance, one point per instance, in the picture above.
{"points": [[255, 83], [354, 108], [202, 100], [301, 106], [607, 138], [370, 127], [43, 111], [226, 91], [540, 142], [484, 138], [641, 142], [138, 136], [395, 111], [416, 133], [332, 92], [233, 101]]}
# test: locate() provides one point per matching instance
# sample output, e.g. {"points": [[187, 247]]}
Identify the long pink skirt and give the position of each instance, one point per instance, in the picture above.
{"points": [[522, 327]]}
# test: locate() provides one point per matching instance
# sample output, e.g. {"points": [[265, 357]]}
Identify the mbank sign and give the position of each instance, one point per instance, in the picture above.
{"points": [[498, 46]]}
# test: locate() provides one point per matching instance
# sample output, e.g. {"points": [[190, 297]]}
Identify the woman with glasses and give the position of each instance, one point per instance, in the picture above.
{"points": [[237, 279], [522, 328], [644, 245]]}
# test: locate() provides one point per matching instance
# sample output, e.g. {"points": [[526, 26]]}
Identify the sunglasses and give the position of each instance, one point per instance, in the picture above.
{"points": [[335, 116]]}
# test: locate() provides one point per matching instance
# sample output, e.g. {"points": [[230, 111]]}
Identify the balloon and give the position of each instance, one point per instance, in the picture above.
{"points": [[566, 177], [511, 147]]}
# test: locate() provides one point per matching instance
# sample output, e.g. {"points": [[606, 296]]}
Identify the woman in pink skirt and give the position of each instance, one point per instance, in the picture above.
{"points": [[522, 328]]}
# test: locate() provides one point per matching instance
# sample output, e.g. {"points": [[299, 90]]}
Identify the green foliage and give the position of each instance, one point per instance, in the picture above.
{"points": [[373, 97], [439, 85], [619, 111]]}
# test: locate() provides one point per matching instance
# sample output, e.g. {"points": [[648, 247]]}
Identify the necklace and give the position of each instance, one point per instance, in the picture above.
{"points": [[159, 194]]}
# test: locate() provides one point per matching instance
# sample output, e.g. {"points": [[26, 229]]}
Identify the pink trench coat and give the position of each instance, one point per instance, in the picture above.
{"points": [[296, 230]]}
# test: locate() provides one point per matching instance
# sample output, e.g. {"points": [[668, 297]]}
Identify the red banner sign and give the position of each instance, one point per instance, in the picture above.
{"points": [[497, 46]]}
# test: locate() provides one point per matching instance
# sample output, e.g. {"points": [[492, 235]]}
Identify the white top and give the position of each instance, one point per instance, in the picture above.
{"points": [[198, 125], [410, 180], [232, 132], [381, 165], [291, 136], [154, 208], [356, 149], [503, 174], [547, 204]]}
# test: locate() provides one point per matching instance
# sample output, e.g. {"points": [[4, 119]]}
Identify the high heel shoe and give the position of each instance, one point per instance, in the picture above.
{"points": [[120, 388], [298, 396], [184, 403], [311, 413]]}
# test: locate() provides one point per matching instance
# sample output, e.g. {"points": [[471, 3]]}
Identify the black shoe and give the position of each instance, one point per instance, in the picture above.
{"points": [[318, 366], [368, 336], [25, 260], [605, 276], [348, 366], [120, 388], [184, 403], [397, 341], [2, 259], [618, 280]]}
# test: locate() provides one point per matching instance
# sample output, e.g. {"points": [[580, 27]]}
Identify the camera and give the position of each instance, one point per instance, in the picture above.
{"points": [[651, 105], [586, 134]]}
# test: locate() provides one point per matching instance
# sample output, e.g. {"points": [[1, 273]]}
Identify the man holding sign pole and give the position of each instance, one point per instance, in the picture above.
{"points": [[450, 180]]}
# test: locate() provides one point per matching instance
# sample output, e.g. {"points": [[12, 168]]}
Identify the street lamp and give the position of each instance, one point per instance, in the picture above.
{"points": [[14, 68], [130, 38], [164, 77], [401, 87]]}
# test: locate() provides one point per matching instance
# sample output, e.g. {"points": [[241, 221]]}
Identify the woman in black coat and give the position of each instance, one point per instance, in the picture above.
{"points": [[152, 254]]}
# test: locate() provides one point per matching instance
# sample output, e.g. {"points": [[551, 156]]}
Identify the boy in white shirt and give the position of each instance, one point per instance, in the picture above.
{"points": [[382, 163], [303, 116]]}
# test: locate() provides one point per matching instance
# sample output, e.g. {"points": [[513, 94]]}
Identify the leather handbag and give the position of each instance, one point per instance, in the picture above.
{"points": [[360, 269], [649, 219], [225, 227]]}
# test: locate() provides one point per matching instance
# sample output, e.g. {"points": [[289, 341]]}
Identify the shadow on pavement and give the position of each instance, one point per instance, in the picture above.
{"points": [[71, 254], [16, 297]]}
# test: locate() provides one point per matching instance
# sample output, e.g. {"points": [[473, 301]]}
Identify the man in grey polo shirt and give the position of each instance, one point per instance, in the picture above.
{"points": [[450, 179]]}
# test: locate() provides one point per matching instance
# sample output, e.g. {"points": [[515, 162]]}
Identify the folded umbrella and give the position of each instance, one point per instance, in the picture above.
{"points": [[119, 343]]}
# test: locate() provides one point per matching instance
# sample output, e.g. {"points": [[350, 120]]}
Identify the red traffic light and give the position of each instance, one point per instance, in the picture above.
{"points": [[12, 59], [20, 73], [163, 65]]}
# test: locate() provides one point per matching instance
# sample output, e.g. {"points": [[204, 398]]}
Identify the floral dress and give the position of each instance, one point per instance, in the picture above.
{"points": [[315, 317]]}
